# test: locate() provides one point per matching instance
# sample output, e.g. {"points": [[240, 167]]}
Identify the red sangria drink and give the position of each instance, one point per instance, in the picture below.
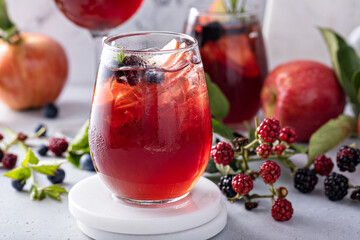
{"points": [[150, 128], [98, 15], [233, 54]]}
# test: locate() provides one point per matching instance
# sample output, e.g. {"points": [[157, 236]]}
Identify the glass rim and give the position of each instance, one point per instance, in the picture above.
{"points": [[252, 12], [114, 37]]}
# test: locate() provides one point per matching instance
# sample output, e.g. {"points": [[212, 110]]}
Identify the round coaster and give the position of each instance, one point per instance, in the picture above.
{"points": [[200, 215]]}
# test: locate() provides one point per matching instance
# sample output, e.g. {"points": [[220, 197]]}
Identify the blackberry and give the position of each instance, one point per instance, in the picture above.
{"points": [[355, 195], [154, 77], [37, 129], [9, 161], [50, 110], [336, 186], [225, 185], [133, 60], [18, 184], [58, 177], [1, 154], [42, 150], [86, 162], [305, 180], [348, 158], [58, 146], [212, 32]]}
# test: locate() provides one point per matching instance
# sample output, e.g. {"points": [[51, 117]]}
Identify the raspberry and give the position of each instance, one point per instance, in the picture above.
{"points": [[278, 149], [270, 171], [222, 153], [9, 160], [269, 130], [263, 150], [1, 137], [305, 180], [347, 158], [336, 186], [288, 134], [58, 146], [225, 185], [355, 195], [242, 184], [282, 210], [1, 154], [323, 165]]}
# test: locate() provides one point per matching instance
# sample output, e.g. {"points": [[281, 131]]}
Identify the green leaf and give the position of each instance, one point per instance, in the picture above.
{"points": [[331, 134], [54, 195], [74, 158], [120, 56], [355, 80], [251, 131], [211, 167], [56, 188], [222, 130], [345, 63], [21, 173], [30, 158], [47, 167], [219, 105], [299, 148], [81, 141], [33, 193]]}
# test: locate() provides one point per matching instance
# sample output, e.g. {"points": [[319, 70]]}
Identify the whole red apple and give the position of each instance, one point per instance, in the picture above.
{"points": [[302, 94], [33, 71]]}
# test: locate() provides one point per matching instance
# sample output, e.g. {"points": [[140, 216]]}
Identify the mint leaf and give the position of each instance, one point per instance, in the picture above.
{"points": [[30, 158], [120, 56], [21, 173], [56, 188], [331, 134], [80, 141], [222, 130], [33, 193], [219, 105], [54, 195], [47, 167]]}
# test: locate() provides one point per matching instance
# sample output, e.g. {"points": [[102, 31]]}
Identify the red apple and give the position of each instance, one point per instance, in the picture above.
{"points": [[303, 95], [33, 71]]}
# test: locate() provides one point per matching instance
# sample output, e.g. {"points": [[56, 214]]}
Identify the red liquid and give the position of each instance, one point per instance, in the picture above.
{"points": [[151, 141], [98, 15], [236, 62]]}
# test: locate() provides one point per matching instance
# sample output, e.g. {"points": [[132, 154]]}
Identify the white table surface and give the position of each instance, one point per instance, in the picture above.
{"points": [[315, 217]]}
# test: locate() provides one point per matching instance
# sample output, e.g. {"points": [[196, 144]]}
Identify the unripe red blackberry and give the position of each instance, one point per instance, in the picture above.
{"points": [[270, 172], [222, 153], [264, 150], [242, 184], [323, 165], [269, 130], [278, 149], [282, 210], [288, 134]]}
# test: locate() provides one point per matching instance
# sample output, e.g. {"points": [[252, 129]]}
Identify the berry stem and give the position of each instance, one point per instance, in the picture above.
{"points": [[32, 179], [8, 30], [13, 134], [352, 186], [247, 147], [252, 196], [7, 146]]}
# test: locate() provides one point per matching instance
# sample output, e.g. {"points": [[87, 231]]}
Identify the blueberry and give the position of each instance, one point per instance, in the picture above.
{"points": [[43, 149], [86, 162], [154, 77], [38, 129], [58, 176], [18, 184], [50, 110]]}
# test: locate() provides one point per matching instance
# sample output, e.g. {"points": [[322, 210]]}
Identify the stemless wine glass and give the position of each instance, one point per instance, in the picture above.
{"points": [[98, 16], [233, 54], [150, 128]]}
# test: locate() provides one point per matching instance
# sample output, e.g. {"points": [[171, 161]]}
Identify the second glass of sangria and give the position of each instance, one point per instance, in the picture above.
{"points": [[233, 54]]}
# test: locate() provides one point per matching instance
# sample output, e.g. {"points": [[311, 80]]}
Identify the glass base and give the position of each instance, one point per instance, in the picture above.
{"points": [[148, 202]]}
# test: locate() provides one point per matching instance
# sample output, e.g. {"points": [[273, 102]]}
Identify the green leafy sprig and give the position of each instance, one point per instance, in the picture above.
{"points": [[32, 164], [233, 6], [79, 145]]}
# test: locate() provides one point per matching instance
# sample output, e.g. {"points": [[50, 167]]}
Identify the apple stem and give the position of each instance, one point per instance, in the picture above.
{"points": [[8, 30]]}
